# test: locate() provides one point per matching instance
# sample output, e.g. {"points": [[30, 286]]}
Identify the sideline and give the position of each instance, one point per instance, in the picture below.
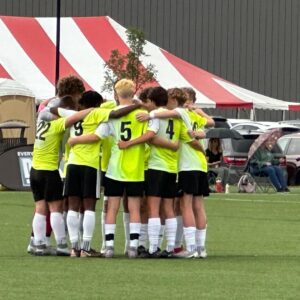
{"points": [[261, 201]]}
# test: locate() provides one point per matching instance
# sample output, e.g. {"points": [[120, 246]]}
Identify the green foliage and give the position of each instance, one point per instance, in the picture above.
{"points": [[253, 246], [129, 66]]}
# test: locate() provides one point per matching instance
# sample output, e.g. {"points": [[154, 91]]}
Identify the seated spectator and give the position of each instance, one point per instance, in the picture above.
{"points": [[263, 162], [214, 155]]}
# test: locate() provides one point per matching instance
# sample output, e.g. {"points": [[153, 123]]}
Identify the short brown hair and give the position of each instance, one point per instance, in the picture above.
{"points": [[70, 85], [177, 94], [191, 94]]}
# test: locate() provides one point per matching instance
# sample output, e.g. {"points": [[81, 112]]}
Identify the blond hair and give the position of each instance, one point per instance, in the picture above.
{"points": [[125, 88]]}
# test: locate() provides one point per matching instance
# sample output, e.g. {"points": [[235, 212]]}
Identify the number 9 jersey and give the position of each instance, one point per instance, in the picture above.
{"points": [[47, 142]]}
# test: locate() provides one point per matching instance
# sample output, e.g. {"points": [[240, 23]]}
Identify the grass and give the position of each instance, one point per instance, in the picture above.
{"points": [[253, 246]]}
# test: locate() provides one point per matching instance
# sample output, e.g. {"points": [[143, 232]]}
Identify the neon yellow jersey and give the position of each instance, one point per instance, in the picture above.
{"points": [[47, 144], [127, 164], [87, 154], [191, 159], [106, 145], [165, 159]]}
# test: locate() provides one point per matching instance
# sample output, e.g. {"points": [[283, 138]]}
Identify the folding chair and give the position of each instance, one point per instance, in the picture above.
{"points": [[261, 179]]}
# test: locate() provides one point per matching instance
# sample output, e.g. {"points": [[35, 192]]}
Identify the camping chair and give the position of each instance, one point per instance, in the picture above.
{"points": [[262, 180], [211, 178]]}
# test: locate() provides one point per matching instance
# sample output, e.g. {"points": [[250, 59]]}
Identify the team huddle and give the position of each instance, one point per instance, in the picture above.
{"points": [[150, 155]]}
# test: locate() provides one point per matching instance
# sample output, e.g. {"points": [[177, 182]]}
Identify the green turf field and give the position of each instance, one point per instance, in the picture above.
{"points": [[253, 246]]}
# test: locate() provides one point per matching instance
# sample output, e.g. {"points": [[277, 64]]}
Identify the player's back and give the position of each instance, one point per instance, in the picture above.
{"points": [[127, 164], [47, 144]]}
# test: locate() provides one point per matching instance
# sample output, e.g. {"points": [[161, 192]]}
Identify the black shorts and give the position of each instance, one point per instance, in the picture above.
{"points": [[46, 185], [160, 184], [102, 181], [115, 188], [193, 183], [81, 181]]}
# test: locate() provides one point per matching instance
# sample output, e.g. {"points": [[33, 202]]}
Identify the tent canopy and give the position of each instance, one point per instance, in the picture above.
{"points": [[27, 54]]}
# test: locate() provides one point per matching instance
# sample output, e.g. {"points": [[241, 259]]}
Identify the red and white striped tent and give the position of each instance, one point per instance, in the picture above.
{"points": [[27, 55]]}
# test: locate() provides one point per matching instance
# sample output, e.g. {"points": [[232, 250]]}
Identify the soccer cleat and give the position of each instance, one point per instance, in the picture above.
{"points": [[62, 250], [167, 254], [186, 254], [132, 252], [43, 250], [75, 252], [103, 249], [155, 254], [89, 253], [142, 252], [178, 249], [109, 253], [202, 252], [31, 247]]}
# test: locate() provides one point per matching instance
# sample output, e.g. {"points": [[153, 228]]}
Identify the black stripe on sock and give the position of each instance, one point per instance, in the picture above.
{"points": [[109, 237], [134, 236]]}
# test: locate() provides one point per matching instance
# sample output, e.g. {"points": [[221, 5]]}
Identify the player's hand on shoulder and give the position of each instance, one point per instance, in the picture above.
{"points": [[142, 116], [123, 144]]}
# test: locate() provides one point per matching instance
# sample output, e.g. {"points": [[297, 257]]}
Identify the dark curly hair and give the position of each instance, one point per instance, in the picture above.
{"points": [[70, 85]]}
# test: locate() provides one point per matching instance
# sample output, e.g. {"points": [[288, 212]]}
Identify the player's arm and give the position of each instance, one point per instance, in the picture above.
{"points": [[46, 115], [165, 143], [209, 120], [197, 134], [160, 115], [148, 135], [77, 117], [197, 146], [118, 113], [84, 139]]}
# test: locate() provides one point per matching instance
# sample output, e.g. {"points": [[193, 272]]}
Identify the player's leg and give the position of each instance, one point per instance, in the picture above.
{"points": [[126, 222]]}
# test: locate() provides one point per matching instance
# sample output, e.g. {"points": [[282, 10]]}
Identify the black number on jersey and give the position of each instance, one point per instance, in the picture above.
{"points": [[42, 128], [195, 126], [78, 128], [170, 129], [125, 131]]}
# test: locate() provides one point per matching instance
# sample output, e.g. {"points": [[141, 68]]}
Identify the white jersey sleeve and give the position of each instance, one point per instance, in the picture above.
{"points": [[46, 115], [185, 117], [103, 131], [153, 125], [62, 112]]}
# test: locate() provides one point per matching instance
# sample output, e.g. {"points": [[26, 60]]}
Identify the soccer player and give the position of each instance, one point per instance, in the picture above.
{"points": [[66, 86], [46, 183], [83, 165]]}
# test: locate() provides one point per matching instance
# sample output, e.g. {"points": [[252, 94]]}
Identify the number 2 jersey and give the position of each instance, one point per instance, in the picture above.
{"points": [[127, 164], [47, 144]]}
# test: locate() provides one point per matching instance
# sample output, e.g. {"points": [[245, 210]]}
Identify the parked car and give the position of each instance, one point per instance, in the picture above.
{"points": [[235, 154], [249, 126], [290, 145]]}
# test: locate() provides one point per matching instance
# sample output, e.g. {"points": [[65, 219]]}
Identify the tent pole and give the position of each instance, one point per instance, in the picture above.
{"points": [[283, 115], [57, 42]]}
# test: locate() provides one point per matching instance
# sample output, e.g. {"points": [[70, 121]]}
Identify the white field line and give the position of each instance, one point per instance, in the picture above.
{"points": [[261, 201]]}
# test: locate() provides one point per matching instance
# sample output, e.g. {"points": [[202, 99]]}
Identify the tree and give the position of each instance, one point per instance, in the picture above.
{"points": [[129, 66]]}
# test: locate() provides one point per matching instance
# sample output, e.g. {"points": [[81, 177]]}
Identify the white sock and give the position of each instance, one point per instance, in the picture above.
{"points": [[161, 235], [89, 221], [126, 229], [179, 232], [81, 218], [110, 235], [153, 233], [103, 215], [135, 230], [39, 229], [190, 238], [170, 232], [143, 235], [201, 237], [65, 214], [48, 240], [58, 227], [73, 228]]}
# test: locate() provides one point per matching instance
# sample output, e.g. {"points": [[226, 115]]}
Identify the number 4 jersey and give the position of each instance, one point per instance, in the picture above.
{"points": [[127, 164], [47, 143]]}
